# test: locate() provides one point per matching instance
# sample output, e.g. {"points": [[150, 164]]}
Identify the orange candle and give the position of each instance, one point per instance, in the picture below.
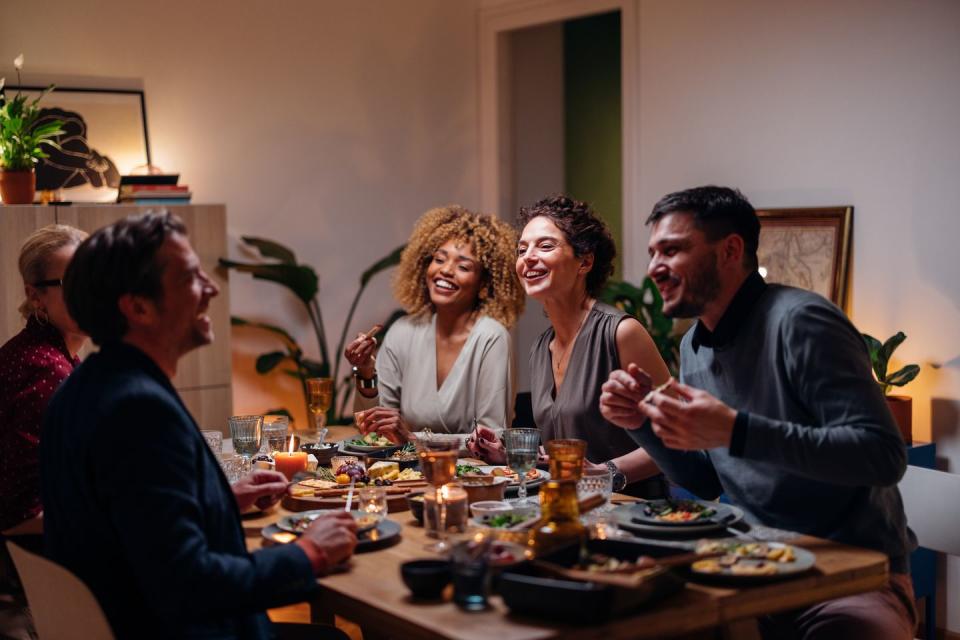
{"points": [[290, 463]]}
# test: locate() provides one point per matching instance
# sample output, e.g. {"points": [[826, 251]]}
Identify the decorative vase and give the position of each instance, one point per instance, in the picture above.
{"points": [[902, 409], [17, 187]]}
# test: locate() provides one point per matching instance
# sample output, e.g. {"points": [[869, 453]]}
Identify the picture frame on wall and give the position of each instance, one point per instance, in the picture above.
{"points": [[106, 137], [807, 248]]}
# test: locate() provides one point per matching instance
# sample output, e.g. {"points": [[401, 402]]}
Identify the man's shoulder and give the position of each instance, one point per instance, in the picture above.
{"points": [[791, 305]]}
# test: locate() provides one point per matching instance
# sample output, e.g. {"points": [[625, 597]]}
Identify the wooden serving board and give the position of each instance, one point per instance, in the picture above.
{"points": [[396, 502]]}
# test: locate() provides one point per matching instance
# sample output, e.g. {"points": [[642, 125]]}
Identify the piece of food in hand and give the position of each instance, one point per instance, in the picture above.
{"points": [[649, 396], [373, 331]]}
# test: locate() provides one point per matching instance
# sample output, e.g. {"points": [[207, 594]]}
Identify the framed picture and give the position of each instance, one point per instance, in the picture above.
{"points": [[106, 137], [807, 248]]}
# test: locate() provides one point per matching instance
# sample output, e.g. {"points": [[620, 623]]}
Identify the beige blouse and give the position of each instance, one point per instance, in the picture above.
{"points": [[480, 384]]}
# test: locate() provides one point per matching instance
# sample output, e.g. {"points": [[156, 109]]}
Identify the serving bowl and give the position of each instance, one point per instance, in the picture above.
{"points": [[426, 578], [415, 502], [482, 488], [488, 508]]}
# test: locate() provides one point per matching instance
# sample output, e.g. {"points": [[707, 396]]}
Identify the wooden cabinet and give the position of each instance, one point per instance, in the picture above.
{"points": [[203, 376]]}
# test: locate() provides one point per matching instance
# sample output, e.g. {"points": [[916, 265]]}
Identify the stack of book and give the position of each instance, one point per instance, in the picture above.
{"points": [[154, 189]]}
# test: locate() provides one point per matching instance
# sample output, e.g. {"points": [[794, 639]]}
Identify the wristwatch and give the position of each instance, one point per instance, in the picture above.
{"points": [[619, 479], [364, 383]]}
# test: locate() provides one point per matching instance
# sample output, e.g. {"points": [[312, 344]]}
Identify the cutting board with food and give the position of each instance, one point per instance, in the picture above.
{"points": [[330, 489]]}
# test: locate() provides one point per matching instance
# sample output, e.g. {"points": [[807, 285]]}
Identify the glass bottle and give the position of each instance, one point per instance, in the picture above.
{"points": [[560, 521]]}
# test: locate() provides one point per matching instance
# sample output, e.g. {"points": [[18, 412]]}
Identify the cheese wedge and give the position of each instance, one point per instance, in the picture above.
{"points": [[382, 468]]}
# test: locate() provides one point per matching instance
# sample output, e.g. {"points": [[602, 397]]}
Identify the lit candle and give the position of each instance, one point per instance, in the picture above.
{"points": [[291, 462], [456, 500]]}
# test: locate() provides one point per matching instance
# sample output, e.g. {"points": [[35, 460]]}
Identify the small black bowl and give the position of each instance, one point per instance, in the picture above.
{"points": [[324, 454], [426, 579], [416, 506]]}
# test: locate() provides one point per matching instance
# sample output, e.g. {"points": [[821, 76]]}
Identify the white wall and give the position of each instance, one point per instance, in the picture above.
{"points": [[823, 103], [329, 126], [536, 97]]}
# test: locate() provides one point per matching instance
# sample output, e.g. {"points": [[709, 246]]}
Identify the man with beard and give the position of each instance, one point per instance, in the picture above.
{"points": [[134, 500], [776, 407]]}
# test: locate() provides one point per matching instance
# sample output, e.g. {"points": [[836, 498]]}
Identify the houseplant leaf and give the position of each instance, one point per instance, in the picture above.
{"points": [[390, 260], [883, 358], [873, 348], [271, 249], [300, 279], [904, 375]]}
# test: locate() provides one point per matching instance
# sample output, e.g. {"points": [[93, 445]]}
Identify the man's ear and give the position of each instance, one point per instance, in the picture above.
{"points": [[138, 310], [731, 249]]}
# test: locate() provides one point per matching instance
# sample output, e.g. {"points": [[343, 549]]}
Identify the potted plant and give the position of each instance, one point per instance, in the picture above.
{"points": [[900, 406], [21, 142]]}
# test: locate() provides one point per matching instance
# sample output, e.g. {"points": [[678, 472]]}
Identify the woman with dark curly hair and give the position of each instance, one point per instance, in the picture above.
{"points": [[564, 258], [449, 362]]}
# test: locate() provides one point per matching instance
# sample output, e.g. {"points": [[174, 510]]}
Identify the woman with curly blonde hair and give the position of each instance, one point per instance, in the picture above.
{"points": [[449, 363]]}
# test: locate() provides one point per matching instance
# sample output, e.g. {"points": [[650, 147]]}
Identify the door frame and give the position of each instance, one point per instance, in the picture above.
{"points": [[497, 19]]}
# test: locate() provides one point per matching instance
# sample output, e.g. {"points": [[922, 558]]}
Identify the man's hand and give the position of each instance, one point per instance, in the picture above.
{"points": [[693, 419], [622, 394], [329, 540], [386, 422], [261, 488]]}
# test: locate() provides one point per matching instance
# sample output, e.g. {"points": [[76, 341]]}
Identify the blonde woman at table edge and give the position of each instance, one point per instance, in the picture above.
{"points": [[564, 258], [449, 362]]}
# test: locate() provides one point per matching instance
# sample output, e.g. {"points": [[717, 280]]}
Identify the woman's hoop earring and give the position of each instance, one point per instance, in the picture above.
{"points": [[41, 316]]}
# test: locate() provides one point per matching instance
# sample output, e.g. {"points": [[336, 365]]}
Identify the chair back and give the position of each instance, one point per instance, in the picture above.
{"points": [[62, 606], [929, 499]]}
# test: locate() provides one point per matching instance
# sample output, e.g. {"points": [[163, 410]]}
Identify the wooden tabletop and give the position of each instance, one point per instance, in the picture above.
{"points": [[373, 595]]}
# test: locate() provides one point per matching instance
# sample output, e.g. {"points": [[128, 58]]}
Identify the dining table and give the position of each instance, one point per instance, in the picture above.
{"points": [[370, 593]]}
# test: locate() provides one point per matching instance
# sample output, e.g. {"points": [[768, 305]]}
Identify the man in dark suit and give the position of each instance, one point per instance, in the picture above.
{"points": [[134, 500]]}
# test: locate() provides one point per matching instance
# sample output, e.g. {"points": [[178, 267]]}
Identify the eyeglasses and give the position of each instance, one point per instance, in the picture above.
{"points": [[49, 283]]}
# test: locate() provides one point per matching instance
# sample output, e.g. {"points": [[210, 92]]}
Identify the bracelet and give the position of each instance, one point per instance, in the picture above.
{"points": [[365, 383]]}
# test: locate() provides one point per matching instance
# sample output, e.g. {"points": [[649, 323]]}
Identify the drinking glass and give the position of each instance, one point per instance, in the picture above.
{"points": [[438, 462], [214, 440], [522, 447], [566, 458], [234, 466], [247, 434], [596, 481], [319, 396], [471, 573], [275, 432], [373, 500]]}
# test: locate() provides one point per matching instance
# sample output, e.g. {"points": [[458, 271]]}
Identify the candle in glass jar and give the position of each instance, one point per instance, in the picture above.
{"points": [[290, 463], [456, 500]]}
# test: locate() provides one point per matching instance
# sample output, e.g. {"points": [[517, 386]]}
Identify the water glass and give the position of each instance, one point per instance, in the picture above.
{"points": [[247, 434], [595, 481], [214, 440], [373, 500], [471, 573], [566, 458], [275, 430], [234, 466], [522, 447]]}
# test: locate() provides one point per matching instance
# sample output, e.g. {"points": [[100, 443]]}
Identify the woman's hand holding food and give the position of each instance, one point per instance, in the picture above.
{"points": [[361, 353], [483, 443], [385, 421]]}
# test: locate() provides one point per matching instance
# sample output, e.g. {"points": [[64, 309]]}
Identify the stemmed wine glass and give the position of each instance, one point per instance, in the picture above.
{"points": [[438, 462], [522, 447], [319, 396]]}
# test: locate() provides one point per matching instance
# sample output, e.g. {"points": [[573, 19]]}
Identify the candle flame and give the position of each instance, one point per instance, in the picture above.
{"points": [[290, 448]]}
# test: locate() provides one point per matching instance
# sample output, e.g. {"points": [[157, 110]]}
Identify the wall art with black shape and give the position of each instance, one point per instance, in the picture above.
{"points": [[105, 137]]}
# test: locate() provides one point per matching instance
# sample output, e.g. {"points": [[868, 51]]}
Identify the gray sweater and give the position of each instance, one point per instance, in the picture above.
{"points": [[814, 449]]}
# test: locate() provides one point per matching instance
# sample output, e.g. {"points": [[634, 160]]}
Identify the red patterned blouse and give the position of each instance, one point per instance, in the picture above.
{"points": [[32, 365]]}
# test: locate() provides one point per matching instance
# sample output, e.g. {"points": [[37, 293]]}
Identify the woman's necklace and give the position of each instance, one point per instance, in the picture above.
{"points": [[561, 362]]}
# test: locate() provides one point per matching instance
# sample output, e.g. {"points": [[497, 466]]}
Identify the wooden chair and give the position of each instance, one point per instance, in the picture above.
{"points": [[62, 606], [934, 522]]}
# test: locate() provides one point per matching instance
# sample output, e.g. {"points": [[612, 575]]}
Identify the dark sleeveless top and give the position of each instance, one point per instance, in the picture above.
{"points": [[574, 411]]}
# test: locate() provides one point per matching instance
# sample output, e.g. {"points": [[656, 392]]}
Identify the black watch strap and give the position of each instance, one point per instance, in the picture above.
{"points": [[365, 383]]}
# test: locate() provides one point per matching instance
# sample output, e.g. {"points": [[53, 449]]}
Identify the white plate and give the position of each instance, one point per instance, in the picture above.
{"points": [[803, 561], [543, 477]]}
